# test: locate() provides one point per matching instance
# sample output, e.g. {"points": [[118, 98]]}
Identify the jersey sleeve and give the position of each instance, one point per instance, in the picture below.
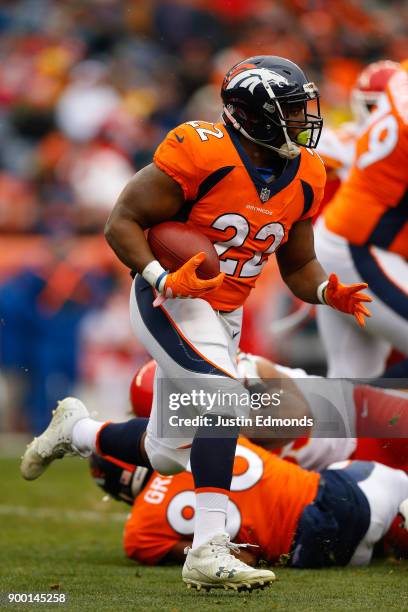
{"points": [[146, 538], [313, 181], [177, 157]]}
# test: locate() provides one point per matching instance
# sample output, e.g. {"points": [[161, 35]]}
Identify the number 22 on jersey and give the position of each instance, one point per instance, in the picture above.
{"points": [[241, 227]]}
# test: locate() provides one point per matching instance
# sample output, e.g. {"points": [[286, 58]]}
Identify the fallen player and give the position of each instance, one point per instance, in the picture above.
{"points": [[286, 514]]}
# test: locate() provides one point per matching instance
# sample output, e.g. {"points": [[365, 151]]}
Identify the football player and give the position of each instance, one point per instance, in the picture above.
{"points": [[374, 420], [251, 184], [337, 146], [363, 236], [285, 513]]}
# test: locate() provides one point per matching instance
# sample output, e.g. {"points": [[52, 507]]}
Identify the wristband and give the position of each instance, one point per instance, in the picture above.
{"points": [[321, 290], [155, 275]]}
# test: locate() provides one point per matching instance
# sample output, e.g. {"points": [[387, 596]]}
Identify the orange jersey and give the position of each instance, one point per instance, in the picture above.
{"points": [[336, 148], [245, 217], [267, 497], [371, 206]]}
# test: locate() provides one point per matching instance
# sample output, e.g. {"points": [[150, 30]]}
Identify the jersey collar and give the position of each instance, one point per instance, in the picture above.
{"points": [[262, 187]]}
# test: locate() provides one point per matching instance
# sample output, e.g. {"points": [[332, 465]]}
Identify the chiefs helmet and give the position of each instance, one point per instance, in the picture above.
{"points": [[120, 483], [258, 94], [370, 85], [141, 389]]}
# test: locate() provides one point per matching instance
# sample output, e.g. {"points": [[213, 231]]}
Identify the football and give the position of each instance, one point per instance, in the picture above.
{"points": [[173, 243]]}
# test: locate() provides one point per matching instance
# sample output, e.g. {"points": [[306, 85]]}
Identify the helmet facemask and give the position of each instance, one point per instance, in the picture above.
{"points": [[305, 130], [362, 104], [119, 483]]}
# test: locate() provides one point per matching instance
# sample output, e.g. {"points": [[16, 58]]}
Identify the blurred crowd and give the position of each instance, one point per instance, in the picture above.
{"points": [[87, 91]]}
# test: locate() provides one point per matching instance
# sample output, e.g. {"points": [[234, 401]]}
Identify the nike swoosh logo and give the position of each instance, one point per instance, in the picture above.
{"points": [[179, 138], [235, 334]]}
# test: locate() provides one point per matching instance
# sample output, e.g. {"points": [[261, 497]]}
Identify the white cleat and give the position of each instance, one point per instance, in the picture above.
{"points": [[403, 510], [55, 441], [213, 566]]}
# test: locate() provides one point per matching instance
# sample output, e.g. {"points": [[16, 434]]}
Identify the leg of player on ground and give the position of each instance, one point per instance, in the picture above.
{"points": [[73, 432], [385, 489]]}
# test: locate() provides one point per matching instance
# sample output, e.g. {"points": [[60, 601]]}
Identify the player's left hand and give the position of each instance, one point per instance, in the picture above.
{"points": [[347, 298]]}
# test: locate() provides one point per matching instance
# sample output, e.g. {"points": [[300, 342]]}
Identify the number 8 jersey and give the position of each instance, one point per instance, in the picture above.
{"points": [[267, 498], [245, 215]]}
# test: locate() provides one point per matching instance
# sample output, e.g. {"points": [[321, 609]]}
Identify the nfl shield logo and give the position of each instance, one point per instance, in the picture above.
{"points": [[264, 195]]}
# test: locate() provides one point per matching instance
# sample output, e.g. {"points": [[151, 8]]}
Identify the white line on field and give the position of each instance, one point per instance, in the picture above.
{"points": [[60, 515]]}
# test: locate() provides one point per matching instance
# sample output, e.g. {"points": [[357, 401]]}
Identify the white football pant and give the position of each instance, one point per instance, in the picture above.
{"points": [[195, 348], [385, 488], [351, 351]]}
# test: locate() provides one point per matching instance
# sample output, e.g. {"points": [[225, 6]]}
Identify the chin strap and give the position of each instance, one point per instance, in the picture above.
{"points": [[289, 150]]}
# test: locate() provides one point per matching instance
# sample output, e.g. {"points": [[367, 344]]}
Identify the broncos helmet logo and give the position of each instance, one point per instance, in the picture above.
{"points": [[251, 78]]}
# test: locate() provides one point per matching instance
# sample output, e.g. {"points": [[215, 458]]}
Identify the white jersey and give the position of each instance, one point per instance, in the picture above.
{"points": [[316, 453], [337, 148]]}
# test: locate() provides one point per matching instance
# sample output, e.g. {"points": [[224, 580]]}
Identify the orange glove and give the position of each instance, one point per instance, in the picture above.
{"points": [[346, 298], [184, 282]]}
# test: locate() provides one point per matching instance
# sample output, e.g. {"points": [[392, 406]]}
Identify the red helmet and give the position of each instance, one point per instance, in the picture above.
{"points": [[370, 84], [141, 389]]}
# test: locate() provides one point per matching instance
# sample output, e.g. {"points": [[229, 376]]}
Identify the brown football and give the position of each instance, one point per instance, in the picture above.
{"points": [[173, 243]]}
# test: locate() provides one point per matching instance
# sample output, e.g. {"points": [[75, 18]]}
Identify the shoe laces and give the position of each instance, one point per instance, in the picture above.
{"points": [[237, 547], [225, 549]]}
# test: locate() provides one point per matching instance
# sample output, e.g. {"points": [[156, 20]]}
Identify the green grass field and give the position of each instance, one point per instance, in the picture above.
{"points": [[57, 533]]}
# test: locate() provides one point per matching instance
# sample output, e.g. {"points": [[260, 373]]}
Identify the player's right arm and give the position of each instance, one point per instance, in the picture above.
{"points": [[292, 402], [150, 197]]}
